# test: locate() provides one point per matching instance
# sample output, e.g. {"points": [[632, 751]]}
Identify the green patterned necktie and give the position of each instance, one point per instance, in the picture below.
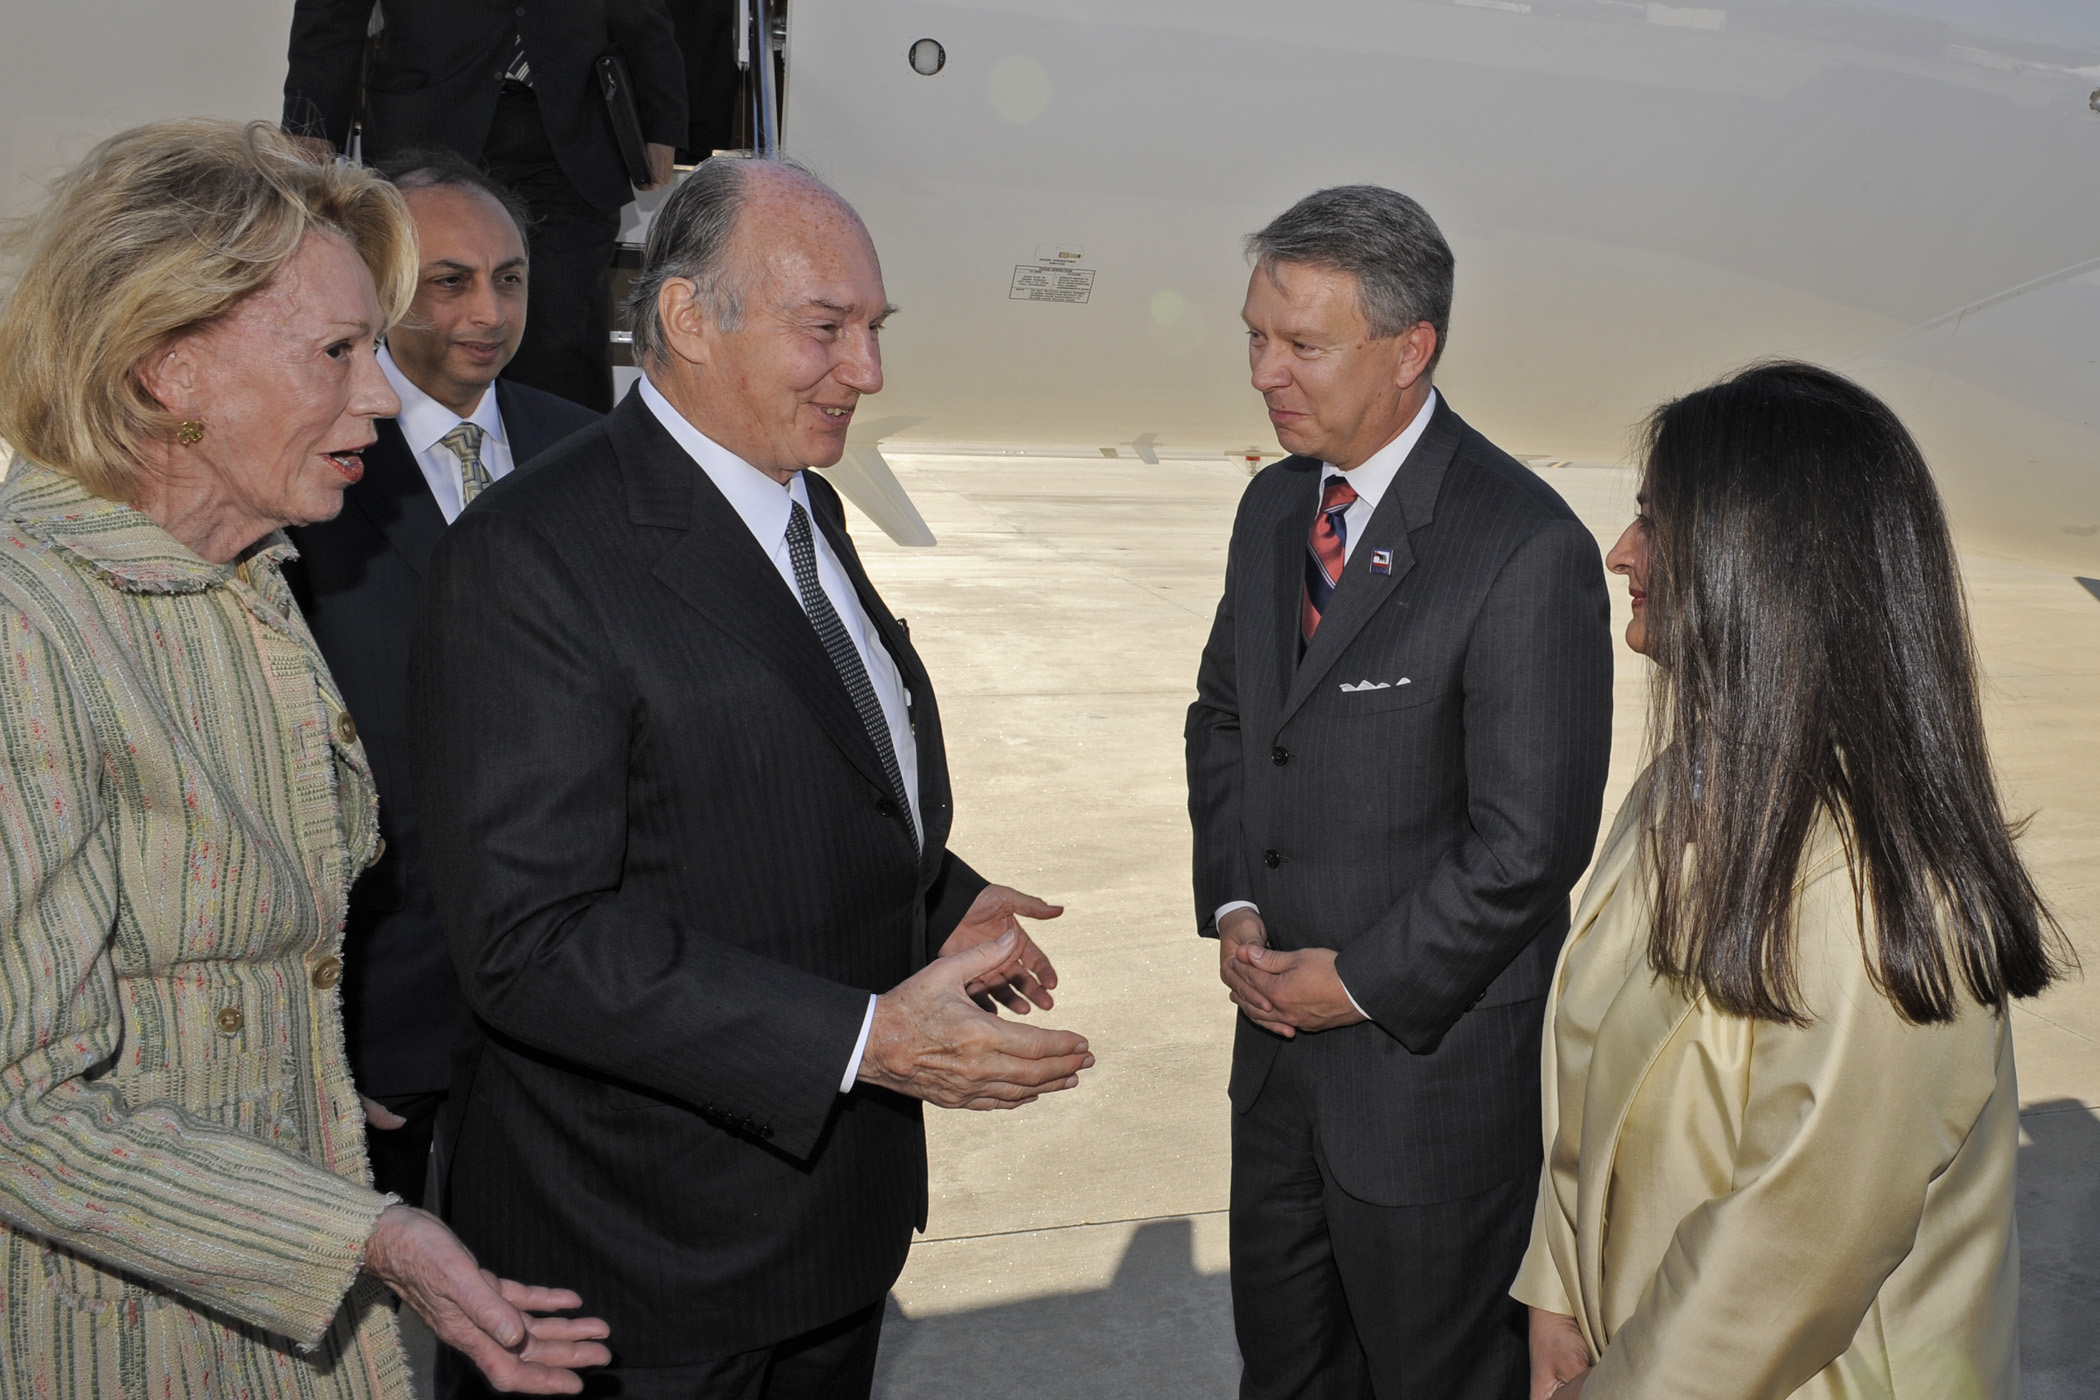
{"points": [[464, 442]]}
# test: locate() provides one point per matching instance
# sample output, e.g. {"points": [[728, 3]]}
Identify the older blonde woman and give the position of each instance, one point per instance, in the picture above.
{"points": [[1781, 1119], [186, 366]]}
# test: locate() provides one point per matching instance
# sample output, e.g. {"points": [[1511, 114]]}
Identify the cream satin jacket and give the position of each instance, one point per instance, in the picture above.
{"points": [[1736, 1210]]}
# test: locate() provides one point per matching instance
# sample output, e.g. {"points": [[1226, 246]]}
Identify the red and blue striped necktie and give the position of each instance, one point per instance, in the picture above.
{"points": [[1325, 551]]}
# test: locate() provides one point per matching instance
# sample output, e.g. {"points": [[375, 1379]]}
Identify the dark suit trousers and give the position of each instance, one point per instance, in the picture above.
{"points": [[1337, 1299], [568, 308], [836, 1362]]}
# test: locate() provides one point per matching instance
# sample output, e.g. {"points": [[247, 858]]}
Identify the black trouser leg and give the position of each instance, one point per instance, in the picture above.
{"points": [[1428, 1287], [568, 306], [1297, 1338], [834, 1362]]}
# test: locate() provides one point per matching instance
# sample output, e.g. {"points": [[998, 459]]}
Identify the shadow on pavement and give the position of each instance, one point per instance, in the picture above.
{"points": [[1163, 1331], [2059, 1251], [1160, 1330]]}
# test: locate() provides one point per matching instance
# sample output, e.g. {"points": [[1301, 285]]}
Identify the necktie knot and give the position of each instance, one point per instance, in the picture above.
{"points": [[464, 442], [1337, 494]]}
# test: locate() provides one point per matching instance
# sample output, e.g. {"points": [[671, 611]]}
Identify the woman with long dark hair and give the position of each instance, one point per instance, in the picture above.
{"points": [[1781, 1122]]}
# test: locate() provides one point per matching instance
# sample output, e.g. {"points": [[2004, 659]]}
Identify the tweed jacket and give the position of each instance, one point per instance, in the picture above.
{"points": [[183, 804], [1738, 1210]]}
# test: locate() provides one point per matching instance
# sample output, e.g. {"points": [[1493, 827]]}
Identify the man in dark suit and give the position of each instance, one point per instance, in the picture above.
{"points": [[513, 88], [1396, 760], [357, 578], [686, 806]]}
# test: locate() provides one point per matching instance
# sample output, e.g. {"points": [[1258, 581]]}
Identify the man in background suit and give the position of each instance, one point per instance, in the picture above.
{"points": [[1396, 761], [514, 89], [686, 806], [357, 577]]}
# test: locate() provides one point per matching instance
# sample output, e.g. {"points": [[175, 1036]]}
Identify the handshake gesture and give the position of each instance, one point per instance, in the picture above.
{"points": [[938, 1036]]}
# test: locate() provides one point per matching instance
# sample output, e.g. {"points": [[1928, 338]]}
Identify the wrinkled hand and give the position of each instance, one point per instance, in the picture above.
{"points": [[991, 914], [1292, 992], [490, 1319], [1243, 928], [1560, 1358], [661, 159], [931, 1041]]}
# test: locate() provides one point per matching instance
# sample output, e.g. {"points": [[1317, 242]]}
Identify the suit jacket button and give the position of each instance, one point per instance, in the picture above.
{"points": [[1272, 859], [328, 972], [765, 1130], [1279, 755], [885, 806], [230, 1020], [345, 727]]}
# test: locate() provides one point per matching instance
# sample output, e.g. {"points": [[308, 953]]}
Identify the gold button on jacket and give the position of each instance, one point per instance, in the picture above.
{"points": [[230, 1020], [328, 972], [346, 727]]}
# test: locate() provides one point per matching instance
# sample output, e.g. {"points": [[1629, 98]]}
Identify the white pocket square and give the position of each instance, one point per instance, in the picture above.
{"points": [[1348, 689]]}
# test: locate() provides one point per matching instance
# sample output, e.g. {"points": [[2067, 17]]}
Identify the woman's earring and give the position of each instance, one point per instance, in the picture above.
{"points": [[190, 433]]}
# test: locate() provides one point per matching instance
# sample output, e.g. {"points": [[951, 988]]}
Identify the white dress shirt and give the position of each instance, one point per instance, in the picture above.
{"points": [[1370, 478], [423, 421], [765, 507]]}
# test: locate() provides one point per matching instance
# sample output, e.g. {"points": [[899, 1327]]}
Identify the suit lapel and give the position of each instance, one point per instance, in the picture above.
{"points": [[522, 428], [394, 496], [1409, 504], [719, 569], [1287, 585]]}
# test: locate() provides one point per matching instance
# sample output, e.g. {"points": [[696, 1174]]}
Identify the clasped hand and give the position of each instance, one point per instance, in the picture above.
{"points": [[938, 1036], [1283, 993]]}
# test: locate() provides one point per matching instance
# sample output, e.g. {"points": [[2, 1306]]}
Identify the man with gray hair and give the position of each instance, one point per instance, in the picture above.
{"points": [[686, 810], [1396, 760]]}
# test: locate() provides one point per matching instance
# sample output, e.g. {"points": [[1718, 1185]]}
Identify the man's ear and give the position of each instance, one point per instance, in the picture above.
{"points": [[689, 331], [1417, 349]]}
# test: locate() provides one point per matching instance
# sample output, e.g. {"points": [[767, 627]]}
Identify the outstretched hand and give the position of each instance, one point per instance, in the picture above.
{"points": [[932, 1041], [491, 1320], [991, 914]]}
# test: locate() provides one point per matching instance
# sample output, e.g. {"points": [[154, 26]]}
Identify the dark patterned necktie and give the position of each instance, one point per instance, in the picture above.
{"points": [[802, 551], [1326, 550]]}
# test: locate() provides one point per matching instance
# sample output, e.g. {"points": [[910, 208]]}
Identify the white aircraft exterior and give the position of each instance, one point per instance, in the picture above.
{"points": [[1641, 196]]}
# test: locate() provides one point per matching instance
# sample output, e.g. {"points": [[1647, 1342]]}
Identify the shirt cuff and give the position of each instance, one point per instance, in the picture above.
{"points": [[1337, 977], [860, 1047], [1224, 909]]}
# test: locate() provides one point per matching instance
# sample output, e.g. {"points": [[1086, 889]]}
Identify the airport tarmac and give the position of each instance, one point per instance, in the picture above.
{"points": [[1077, 1247]]}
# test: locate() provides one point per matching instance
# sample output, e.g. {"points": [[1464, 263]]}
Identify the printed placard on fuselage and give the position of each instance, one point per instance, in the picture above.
{"points": [[1053, 283]]}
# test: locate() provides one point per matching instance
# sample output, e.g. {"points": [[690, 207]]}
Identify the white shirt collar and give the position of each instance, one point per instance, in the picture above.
{"points": [[1378, 470], [423, 420], [758, 498]]}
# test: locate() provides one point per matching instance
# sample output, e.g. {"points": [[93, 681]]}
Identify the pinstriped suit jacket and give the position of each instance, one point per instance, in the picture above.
{"points": [[1430, 827], [671, 871]]}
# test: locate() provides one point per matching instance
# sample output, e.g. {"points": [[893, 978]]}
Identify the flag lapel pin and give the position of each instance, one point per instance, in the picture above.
{"points": [[1381, 561]]}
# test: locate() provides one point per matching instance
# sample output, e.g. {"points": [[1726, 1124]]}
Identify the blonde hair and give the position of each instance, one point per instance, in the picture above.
{"points": [[160, 230]]}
